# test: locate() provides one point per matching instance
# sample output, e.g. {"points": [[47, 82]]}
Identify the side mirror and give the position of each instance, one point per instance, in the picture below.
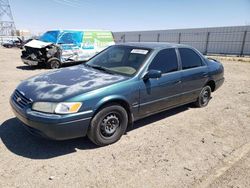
{"points": [[152, 74]]}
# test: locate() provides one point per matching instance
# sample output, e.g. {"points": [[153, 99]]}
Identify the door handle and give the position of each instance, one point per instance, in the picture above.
{"points": [[204, 75], [177, 82]]}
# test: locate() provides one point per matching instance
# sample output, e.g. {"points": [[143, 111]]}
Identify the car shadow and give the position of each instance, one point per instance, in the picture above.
{"points": [[158, 117], [26, 67], [21, 142]]}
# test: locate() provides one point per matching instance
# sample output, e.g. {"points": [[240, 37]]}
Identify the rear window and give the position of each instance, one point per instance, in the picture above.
{"points": [[189, 58]]}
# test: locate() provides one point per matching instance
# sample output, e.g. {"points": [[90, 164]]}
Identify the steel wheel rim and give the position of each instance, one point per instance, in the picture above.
{"points": [[205, 96], [109, 125], [54, 64]]}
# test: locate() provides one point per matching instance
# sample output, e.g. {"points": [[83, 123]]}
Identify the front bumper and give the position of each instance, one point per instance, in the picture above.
{"points": [[52, 126], [29, 62]]}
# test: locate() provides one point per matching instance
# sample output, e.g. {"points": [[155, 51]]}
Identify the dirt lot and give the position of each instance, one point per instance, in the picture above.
{"points": [[184, 147]]}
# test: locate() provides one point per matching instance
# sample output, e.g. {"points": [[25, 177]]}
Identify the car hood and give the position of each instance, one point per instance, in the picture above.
{"points": [[65, 83], [37, 44]]}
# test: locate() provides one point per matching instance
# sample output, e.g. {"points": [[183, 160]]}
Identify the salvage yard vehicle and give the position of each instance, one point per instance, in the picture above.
{"points": [[13, 43], [58, 47], [120, 85]]}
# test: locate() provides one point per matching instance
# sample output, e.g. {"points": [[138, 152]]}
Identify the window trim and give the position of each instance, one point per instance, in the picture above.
{"points": [[179, 55]]}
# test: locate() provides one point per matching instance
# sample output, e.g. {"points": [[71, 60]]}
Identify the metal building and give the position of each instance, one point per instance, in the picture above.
{"points": [[233, 40]]}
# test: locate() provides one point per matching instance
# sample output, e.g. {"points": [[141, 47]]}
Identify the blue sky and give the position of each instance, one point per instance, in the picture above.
{"points": [[127, 15]]}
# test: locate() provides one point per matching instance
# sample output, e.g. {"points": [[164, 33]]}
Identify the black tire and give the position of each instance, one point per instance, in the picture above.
{"points": [[204, 97], [108, 125], [54, 63]]}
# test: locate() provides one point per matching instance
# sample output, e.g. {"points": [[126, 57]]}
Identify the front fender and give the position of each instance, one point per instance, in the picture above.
{"points": [[110, 98]]}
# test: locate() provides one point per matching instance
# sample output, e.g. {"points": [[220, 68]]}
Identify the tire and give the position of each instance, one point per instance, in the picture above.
{"points": [[108, 125], [54, 63], [204, 97]]}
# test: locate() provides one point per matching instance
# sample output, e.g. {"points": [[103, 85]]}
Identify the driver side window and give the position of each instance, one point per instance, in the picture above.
{"points": [[165, 61]]}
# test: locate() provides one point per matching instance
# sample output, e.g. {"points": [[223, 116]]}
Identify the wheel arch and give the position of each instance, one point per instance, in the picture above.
{"points": [[212, 85], [116, 100]]}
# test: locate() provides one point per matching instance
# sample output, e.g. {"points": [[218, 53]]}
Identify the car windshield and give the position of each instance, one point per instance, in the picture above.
{"points": [[50, 36], [125, 60]]}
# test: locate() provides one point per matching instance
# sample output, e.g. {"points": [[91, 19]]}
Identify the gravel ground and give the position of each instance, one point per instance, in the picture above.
{"points": [[183, 147]]}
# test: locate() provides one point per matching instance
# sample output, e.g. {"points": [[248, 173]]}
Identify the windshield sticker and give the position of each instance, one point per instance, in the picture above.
{"points": [[139, 51]]}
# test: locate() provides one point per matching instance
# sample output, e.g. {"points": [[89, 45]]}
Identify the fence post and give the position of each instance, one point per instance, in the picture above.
{"points": [[207, 41], [179, 38], [158, 37], [243, 44], [139, 38]]}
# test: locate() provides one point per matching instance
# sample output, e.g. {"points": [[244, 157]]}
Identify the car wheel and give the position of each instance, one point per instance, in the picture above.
{"points": [[108, 125], [204, 97], [54, 63]]}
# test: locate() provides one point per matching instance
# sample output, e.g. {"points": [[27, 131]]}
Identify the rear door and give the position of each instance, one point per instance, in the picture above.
{"points": [[194, 74], [158, 94]]}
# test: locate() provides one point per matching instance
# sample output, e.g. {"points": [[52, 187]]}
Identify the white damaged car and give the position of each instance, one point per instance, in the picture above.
{"points": [[57, 47]]}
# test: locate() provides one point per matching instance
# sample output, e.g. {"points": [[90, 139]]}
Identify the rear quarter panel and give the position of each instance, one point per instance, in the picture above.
{"points": [[216, 70]]}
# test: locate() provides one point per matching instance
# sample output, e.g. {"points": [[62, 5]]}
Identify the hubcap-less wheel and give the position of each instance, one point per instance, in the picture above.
{"points": [[204, 97], [54, 64], [109, 125]]}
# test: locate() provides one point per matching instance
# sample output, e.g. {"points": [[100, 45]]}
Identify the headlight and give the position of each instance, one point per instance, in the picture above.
{"points": [[47, 107], [68, 107], [58, 108]]}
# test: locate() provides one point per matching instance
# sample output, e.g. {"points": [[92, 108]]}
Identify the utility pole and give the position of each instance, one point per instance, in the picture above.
{"points": [[7, 25]]}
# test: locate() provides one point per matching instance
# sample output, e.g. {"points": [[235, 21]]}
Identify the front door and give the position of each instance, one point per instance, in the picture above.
{"points": [[158, 94]]}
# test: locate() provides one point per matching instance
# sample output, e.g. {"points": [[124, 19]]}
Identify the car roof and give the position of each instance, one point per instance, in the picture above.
{"points": [[154, 45]]}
